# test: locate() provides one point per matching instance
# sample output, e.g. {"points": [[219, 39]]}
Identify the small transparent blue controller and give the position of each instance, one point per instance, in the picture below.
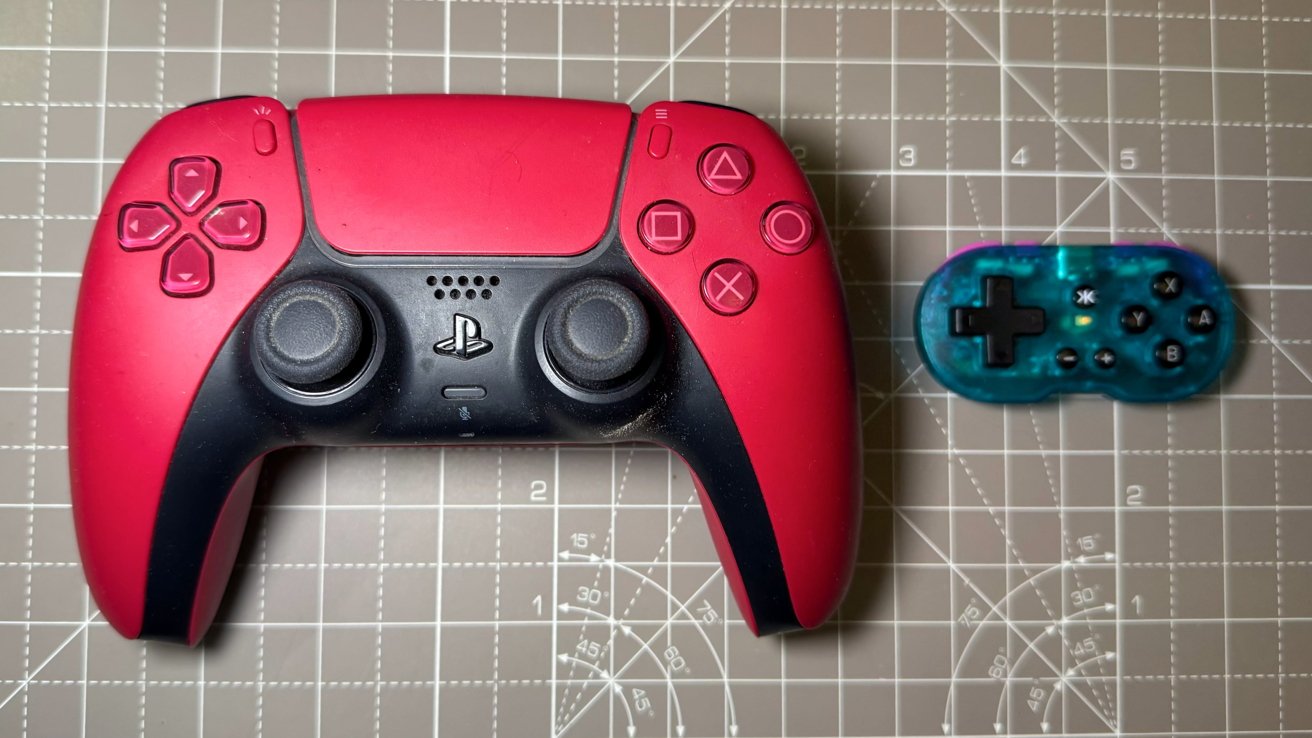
{"points": [[1019, 323]]}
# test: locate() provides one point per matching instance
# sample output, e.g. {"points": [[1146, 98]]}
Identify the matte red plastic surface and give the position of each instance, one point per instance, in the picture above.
{"points": [[462, 174], [139, 355], [784, 365], [221, 554]]}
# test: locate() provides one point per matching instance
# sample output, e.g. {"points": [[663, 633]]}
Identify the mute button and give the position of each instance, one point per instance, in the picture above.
{"points": [[463, 392]]}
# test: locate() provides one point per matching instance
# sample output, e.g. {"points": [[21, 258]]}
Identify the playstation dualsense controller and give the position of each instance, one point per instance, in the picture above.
{"points": [[1141, 323], [421, 270]]}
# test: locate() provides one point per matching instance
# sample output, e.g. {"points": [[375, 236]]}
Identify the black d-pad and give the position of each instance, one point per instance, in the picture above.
{"points": [[1000, 321]]}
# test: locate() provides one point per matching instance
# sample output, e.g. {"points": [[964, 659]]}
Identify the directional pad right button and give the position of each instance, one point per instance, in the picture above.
{"points": [[236, 225]]}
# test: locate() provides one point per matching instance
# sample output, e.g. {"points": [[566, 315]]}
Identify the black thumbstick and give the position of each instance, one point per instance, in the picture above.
{"points": [[596, 334], [308, 333]]}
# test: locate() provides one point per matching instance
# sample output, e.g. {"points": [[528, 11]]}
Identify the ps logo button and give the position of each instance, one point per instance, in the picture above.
{"points": [[729, 287], [1168, 285], [467, 341], [1068, 358], [1085, 296], [1136, 319], [1201, 319], [665, 227], [1105, 358], [788, 228], [1170, 354], [725, 169]]}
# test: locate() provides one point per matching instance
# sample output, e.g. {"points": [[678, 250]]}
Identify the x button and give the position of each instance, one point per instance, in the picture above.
{"points": [[728, 287]]}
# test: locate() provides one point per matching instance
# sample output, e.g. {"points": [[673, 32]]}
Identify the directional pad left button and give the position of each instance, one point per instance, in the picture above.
{"points": [[144, 225], [188, 269]]}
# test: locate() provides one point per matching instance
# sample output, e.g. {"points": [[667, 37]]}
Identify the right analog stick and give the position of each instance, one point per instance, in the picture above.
{"points": [[596, 334]]}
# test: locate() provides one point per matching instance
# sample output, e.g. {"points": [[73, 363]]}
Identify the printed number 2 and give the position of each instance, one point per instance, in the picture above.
{"points": [[1134, 495]]}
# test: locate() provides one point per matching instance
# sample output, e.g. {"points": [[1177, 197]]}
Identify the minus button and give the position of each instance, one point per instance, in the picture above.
{"points": [[459, 392]]}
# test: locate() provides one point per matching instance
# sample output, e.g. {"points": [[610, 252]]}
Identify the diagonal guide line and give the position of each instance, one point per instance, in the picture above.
{"points": [[58, 649], [679, 52]]}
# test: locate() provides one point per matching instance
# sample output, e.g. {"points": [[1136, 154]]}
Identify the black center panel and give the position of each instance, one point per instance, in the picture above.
{"points": [[422, 386]]}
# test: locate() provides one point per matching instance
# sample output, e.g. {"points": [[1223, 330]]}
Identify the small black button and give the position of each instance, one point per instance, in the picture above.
{"points": [[1000, 321], [1085, 296], [1168, 285], [472, 392], [1170, 354], [1136, 319], [1105, 358], [1201, 319], [1068, 358]]}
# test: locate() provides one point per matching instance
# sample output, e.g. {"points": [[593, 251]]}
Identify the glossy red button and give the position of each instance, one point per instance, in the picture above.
{"points": [[188, 269], [788, 228], [193, 181], [266, 137], [725, 169], [236, 225], [144, 225], [729, 287], [665, 227], [658, 143]]}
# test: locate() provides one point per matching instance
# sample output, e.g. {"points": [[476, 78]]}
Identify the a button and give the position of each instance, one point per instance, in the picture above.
{"points": [[1201, 319], [665, 227], [1168, 285], [1136, 319], [788, 228], [658, 143], [473, 392], [1085, 296], [236, 225], [1170, 354], [144, 225], [1068, 358], [1000, 321], [729, 287], [1105, 358], [193, 181], [188, 269], [265, 137], [725, 169]]}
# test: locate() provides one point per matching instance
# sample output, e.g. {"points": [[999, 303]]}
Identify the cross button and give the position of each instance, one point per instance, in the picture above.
{"points": [[728, 287]]}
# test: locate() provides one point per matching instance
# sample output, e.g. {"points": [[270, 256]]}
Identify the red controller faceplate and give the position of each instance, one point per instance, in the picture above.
{"points": [[767, 314], [462, 174], [203, 214]]}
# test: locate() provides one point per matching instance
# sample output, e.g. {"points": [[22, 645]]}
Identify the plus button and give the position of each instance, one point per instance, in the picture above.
{"points": [[1000, 321]]}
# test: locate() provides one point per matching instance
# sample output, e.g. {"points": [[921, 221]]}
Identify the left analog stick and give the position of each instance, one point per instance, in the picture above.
{"points": [[308, 334]]}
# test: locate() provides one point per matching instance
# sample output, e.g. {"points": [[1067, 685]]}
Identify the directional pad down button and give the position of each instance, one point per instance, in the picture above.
{"points": [[1000, 321]]}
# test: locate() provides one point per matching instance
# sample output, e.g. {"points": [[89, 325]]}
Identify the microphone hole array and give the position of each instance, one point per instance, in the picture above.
{"points": [[463, 286]]}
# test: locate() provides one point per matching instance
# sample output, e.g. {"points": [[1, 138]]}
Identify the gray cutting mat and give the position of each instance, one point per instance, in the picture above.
{"points": [[1076, 567]]}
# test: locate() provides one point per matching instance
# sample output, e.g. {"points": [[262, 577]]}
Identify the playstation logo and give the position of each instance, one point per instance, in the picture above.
{"points": [[467, 342]]}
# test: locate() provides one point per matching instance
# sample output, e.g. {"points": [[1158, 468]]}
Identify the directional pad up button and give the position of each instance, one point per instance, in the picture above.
{"points": [[237, 224], [193, 180], [1000, 321]]}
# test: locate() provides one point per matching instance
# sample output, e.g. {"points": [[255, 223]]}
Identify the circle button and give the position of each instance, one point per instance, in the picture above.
{"points": [[725, 169], [728, 287], [665, 227], [788, 228]]}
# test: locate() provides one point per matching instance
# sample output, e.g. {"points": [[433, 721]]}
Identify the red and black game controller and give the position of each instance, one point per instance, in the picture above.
{"points": [[458, 270]]}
